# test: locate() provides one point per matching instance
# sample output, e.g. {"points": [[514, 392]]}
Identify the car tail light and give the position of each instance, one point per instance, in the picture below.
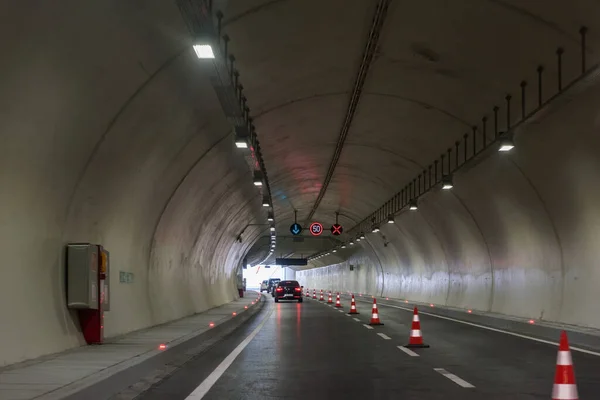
{"points": [[298, 289], [279, 289]]}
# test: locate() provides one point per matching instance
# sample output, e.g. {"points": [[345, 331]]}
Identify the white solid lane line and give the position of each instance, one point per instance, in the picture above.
{"points": [[408, 351], [494, 329], [454, 378], [383, 335], [356, 319], [367, 326], [208, 383]]}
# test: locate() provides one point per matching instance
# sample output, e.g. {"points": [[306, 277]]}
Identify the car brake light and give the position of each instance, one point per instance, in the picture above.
{"points": [[279, 289], [298, 289]]}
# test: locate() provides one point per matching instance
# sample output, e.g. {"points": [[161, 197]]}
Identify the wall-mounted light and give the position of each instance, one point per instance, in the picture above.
{"points": [[343, 246], [270, 218], [358, 239], [391, 219], [334, 251], [413, 205], [447, 182], [362, 235], [258, 178], [204, 44], [375, 229], [506, 143], [272, 228], [351, 243], [266, 202], [241, 137]]}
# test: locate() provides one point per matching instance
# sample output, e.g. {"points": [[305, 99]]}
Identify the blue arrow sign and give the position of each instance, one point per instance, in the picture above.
{"points": [[295, 228]]}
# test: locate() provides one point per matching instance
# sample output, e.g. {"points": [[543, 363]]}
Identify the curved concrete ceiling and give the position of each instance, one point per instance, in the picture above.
{"points": [[111, 133], [438, 68]]}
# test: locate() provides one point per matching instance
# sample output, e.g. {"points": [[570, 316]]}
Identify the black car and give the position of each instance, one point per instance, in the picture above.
{"points": [[288, 290]]}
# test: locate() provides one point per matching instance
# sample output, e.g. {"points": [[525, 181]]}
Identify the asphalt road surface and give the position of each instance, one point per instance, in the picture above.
{"points": [[313, 351]]}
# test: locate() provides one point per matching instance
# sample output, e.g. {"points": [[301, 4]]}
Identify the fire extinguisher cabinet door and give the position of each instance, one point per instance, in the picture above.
{"points": [[82, 276]]}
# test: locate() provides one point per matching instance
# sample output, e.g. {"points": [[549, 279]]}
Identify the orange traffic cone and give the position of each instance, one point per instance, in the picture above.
{"points": [[321, 298], [564, 381], [329, 300], [314, 293], [416, 338], [337, 301], [353, 307], [375, 314]]}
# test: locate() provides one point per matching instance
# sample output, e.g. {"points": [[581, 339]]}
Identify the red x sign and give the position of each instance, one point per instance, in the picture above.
{"points": [[336, 229]]}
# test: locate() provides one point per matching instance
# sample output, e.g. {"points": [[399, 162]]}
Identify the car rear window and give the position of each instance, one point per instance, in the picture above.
{"points": [[289, 283]]}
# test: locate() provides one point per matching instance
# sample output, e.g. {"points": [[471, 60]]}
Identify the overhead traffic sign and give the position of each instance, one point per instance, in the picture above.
{"points": [[291, 261], [295, 228], [316, 229], [336, 229]]}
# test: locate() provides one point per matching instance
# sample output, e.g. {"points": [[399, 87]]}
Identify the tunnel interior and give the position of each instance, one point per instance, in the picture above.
{"points": [[114, 132]]}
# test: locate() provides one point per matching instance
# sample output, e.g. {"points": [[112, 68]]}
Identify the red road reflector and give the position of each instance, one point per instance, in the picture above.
{"points": [[469, 311], [162, 346], [387, 298], [234, 313], [430, 305], [246, 307], [211, 324], [406, 301], [531, 321]]}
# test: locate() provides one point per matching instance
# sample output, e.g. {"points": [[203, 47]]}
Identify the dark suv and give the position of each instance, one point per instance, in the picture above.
{"points": [[288, 290], [272, 285]]}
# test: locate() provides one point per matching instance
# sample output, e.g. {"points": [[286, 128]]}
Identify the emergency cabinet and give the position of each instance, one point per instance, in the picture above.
{"points": [[88, 287]]}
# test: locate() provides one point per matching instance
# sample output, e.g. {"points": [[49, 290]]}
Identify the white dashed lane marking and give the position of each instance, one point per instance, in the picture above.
{"points": [[454, 378], [383, 335], [356, 319], [367, 326], [408, 351]]}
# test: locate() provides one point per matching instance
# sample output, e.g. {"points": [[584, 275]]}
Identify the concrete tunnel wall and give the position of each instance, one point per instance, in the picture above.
{"points": [[519, 234], [111, 133]]}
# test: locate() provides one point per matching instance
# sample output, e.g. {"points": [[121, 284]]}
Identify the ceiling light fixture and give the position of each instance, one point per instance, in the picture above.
{"points": [[204, 50], [258, 179], [413, 205], [447, 182], [390, 219], [506, 143]]}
